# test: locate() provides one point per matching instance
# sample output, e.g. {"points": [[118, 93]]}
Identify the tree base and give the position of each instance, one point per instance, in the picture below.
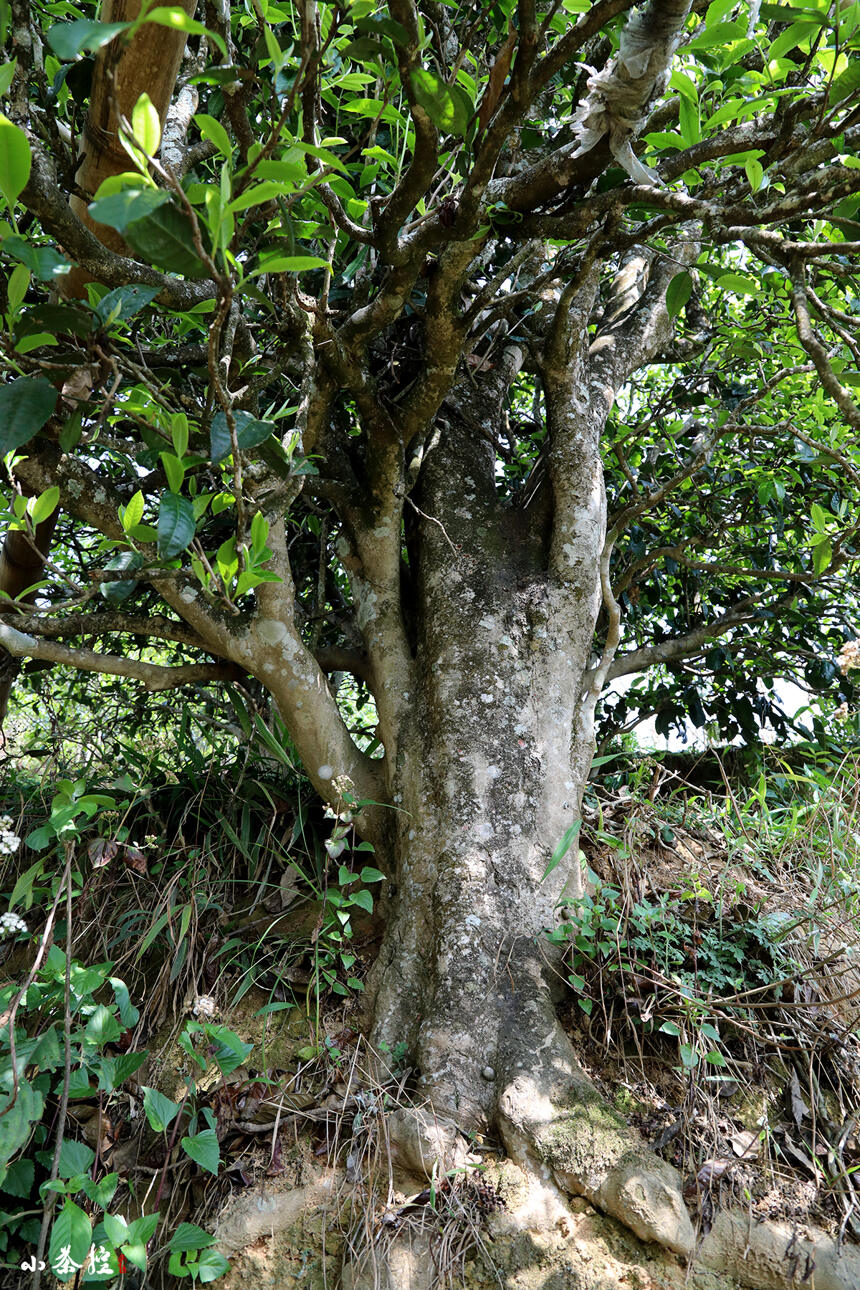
{"points": [[540, 1240]]}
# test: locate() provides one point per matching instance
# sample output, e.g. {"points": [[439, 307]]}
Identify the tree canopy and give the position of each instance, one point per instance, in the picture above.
{"points": [[337, 213]]}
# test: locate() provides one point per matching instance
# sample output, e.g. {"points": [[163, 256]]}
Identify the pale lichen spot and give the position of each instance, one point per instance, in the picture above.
{"points": [[325, 771], [271, 631]]}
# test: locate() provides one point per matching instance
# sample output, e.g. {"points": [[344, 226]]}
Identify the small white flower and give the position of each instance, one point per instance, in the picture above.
{"points": [[11, 924], [9, 840], [204, 1006]]}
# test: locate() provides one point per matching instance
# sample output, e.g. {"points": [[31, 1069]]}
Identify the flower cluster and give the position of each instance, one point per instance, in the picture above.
{"points": [[11, 924], [849, 657], [9, 840]]}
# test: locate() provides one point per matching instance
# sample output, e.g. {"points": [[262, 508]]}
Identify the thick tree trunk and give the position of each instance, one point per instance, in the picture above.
{"points": [[491, 766]]}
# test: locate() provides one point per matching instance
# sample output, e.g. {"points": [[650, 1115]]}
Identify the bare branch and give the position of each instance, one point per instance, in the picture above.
{"points": [[153, 675], [684, 646]]}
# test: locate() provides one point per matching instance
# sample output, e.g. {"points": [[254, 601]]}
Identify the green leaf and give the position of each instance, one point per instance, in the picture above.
{"points": [[7, 75], [145, 125], [118, 210], [16, 287], [212, 130], [19, 1178], [444, 109], [264, 192], [569, 837], [211, 1265], [738, 284], [116, 592], [177, 19], [173, 469], [102, 1192], [189, 1237], [369, 874], [42, 261], [45, 504], [175, 525], [821, 556], [819, 518], [75, 1158], [249, 433], [289, 264], [678, 293], [721, 34], [15, 160], [846, 83], [68, 39], [165, 237], [230, 1051], [754, 173], [363, 899], [204, 1150], [113, 1071], [25, 406], [133, 513], [71, 1237], [116, 1229], [102, 1027], [689, 1056], [124, 302], [139, 1233], [160, 1110]]}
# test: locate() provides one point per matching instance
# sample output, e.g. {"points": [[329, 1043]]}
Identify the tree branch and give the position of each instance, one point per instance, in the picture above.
{"points": [[816, 351], [153, 675]]}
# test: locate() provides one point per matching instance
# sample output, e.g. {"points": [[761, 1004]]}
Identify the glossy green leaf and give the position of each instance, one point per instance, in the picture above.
{"points": [[116, 592], [146, 125], [188, 1236], [678, 293], [7, 75], [25, 406], [211, 1265], [249, 433], [289, 264], [124, 302], [44, 262], [175, 525], [45, 504], [165, 238], [434, 95], [119, 210], [102, 1027], [68, 39], [15, 160], [75, 1158], [212, 130], [738, 284]]}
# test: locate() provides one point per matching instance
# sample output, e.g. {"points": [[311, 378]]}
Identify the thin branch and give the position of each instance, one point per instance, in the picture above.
{"points": [[816, 351]]}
